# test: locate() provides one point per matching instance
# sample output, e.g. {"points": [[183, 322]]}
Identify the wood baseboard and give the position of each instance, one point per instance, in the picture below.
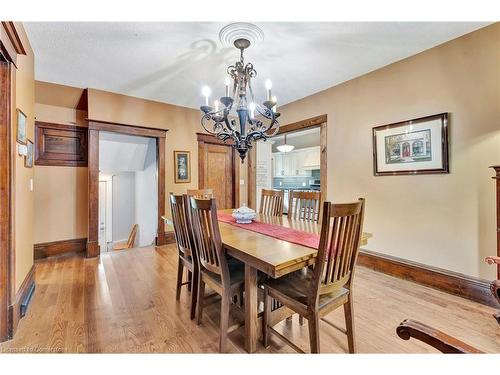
{"points": [[50, 249], [472, 288], [21, 301], [166, 239]]}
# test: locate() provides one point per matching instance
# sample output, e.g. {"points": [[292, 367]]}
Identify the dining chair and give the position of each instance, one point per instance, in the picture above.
{"points": [[271, 202], [200, 193], [223, 275], [314, 293], [179, 205], [304, 205]]}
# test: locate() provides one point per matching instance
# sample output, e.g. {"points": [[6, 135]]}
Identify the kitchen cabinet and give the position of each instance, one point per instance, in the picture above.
{"points": [[297, 162], [312, 158]]}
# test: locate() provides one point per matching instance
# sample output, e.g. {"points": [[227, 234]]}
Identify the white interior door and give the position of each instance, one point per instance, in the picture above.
{"points": [[102, 215], [105, 213]]}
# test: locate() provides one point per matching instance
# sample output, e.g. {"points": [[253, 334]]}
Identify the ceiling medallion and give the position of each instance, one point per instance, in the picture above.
{"points": [[253, 121]]}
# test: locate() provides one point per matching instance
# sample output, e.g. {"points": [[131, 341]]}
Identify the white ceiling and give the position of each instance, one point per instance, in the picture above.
{"points": [[300, 139], [123, 153], [171, 61]]}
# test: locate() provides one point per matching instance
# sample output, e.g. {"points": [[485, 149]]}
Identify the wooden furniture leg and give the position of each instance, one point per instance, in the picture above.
{"points": [[180, 271], [201, 295], [194, 293], [349, 324], [189, 280], [251, 306], [313, 322]]}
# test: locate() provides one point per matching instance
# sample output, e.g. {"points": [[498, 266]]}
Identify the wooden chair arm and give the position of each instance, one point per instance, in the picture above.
{"points": [[437, 339]]}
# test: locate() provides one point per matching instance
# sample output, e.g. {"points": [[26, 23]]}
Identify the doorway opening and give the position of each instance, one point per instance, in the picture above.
{"points": [[127, 191], [303, 167], [149, 149]]}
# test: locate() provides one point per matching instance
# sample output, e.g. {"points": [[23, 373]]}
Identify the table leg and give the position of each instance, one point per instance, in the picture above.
{"points": [[251, 309]]}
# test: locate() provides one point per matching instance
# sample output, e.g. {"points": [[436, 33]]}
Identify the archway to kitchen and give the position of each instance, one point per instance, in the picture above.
{"points": [[304, 168]]}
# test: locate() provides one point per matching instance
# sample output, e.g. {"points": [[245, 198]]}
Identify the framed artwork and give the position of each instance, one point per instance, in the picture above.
{"points": [[418, 146], [182, 166], [21, 127], [28, 159]]}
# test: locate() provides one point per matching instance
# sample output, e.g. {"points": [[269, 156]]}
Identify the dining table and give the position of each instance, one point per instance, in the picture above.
{"points": [[268, 254]]}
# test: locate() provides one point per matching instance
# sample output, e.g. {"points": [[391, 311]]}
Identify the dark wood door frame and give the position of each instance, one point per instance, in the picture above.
{"points": [[6, 279], [11, 47], [95, 127], [203, 139], [314, 122]]}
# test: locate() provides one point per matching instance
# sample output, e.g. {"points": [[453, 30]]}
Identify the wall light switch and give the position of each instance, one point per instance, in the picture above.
{"points": [[22, 150], [242, 182], [31, 184]]}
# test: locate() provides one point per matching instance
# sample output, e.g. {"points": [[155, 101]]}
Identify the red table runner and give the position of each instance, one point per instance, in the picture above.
{"points": [[276, 231]]}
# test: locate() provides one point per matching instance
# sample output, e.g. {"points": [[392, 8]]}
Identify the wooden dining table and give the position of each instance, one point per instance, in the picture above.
{"points": [[269, 255]]}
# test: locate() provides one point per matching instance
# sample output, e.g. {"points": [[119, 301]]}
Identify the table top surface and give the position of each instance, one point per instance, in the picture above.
{"points": [[270, 254]]}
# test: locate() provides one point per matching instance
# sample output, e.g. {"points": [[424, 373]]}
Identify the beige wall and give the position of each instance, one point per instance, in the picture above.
{"points": [[442, 220], [61, 193], [182, 124], [23, 85]]}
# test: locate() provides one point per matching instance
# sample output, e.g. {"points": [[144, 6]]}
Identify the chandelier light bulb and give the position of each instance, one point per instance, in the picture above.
{"points": [[275, 101], [269, 86], [252, 110], [227, 82], [205, 90]]}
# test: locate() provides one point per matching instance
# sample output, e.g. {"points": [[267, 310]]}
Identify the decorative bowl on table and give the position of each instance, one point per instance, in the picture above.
{"points": [[244, 214]]}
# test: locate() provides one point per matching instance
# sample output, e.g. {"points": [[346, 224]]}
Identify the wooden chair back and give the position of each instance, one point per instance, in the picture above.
{"points": [[182, 225], [207, 237], [200, 193], [341, 230], [304, 205], [131, 236], [271, 202]]}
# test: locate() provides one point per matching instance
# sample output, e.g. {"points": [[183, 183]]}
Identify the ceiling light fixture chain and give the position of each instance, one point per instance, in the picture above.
{"points": [[243, 128]]}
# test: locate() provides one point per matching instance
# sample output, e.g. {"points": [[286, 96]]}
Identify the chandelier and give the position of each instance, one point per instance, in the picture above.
{"points": [[251, 121]]}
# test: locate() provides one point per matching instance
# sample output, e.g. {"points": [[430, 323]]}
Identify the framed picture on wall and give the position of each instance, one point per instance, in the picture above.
{"points": [[21, 127], [28, 159], [418, 146], [182, 166]]}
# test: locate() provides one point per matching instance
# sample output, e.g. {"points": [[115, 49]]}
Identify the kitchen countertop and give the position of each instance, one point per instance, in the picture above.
{"points": [[292, 188]]}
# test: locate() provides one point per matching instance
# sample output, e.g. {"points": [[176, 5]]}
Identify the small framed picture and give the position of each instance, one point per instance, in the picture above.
{"points": [[21, 127], [182, 166], [28, 159], [418, 146]]}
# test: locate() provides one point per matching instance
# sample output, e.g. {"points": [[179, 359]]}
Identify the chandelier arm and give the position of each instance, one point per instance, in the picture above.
{"points": [[204, 119]]}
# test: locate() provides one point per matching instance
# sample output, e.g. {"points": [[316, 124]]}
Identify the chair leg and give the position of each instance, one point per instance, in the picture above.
{"points": [[180, 269], [313, 322], [349, 323], [194, 294], [267, 318], [201, 297], [224, 322], [189, 280], [301, 320]]}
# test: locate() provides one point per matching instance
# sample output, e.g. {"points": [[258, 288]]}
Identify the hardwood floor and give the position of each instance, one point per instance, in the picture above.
{"points": [[125, 302]]}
